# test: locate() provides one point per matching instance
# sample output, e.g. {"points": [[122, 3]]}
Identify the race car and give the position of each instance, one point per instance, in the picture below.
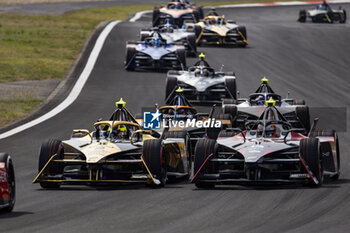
{"points": [[117, 151], [249, 109], [7, 183], [269, 151], [323, 13], [216, 30], [154, 53], [173, 34], [201, 84], [178, 11]]}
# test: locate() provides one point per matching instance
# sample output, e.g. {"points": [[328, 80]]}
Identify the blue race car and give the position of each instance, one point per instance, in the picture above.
{"points": [[155, 53]]}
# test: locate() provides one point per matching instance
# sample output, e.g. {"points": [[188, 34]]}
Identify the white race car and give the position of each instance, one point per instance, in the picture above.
{"points": [[323, 14]]}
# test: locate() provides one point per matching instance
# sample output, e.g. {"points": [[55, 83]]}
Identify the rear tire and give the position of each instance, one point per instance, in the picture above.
{"points": [[213, 132], [155, 16], [48, 149], [226, 134], [343, 20], [331, 133], [231, 88], [299, 102], [229, 101], [154, 156], [197, 30], [304, 117], [204, 148], [231, 110], [302, 16], [310, 152], [181, 57], [191, 41], [6, 158]]}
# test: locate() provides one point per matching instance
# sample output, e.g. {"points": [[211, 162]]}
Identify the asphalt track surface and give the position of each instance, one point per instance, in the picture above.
{"points": [[309, 60]]}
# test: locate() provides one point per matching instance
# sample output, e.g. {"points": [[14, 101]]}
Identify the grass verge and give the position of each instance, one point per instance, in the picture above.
{"points": [[14, 109]]}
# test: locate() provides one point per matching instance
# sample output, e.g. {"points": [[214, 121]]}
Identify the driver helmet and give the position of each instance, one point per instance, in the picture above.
{"points": [[205, 72], [120, 132], [177, 5], [260, 100], [271, 131], [156, 42]]}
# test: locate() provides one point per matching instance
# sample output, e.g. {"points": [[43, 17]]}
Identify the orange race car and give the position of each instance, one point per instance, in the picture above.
{"points": [[178, 11]]}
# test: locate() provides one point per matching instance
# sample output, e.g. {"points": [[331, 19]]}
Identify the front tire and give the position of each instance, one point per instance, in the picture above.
{"points": [[170, 85], [155, 159], [204, 148], [130, 59], [48, 149], [310, 152], [6, 158]]}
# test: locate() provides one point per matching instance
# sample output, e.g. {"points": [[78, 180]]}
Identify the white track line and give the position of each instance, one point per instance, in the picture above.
{"points": [[77, 87], [138, 15]]}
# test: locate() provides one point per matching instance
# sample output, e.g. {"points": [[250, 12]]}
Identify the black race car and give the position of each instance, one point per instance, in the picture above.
{"points": [[323, 13], [269, 151]]}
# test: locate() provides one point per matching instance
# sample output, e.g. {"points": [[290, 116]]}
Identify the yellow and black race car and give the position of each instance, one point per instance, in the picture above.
{"points": [[117, 151], [216, 30]]}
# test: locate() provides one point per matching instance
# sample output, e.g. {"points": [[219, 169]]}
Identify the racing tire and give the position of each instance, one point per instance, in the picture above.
{"points": [[155, 159], [138, 116], [170, 85], [227, 134], [213, 132], [143, 36], [197, 30], [204, 148], [155, 16], [6, 158], [243, 31], [303, 116], [130, 59], [330, 16], [302, 16], [191, 41], [181, 57], [343, 20], [331, 133], [229, 101], [200, 12], [299, 102], [231, 88], [47, 150], [310, 152], [231, 110]]}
